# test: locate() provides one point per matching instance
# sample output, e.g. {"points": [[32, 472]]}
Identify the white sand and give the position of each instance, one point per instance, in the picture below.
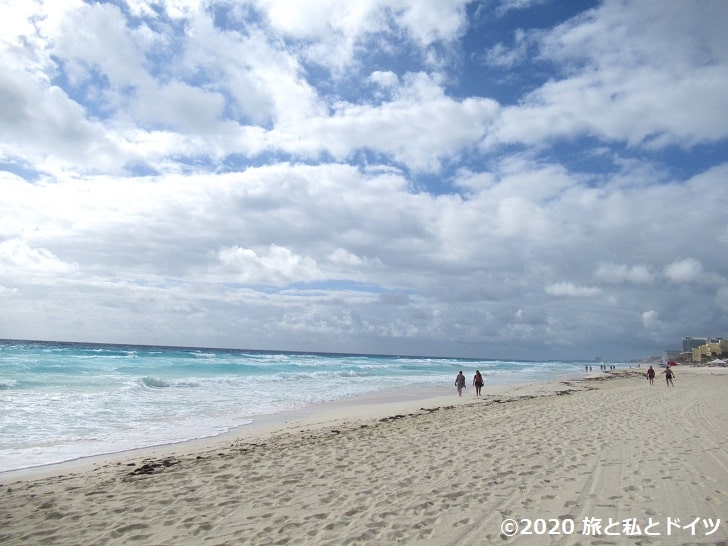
{"points": [[450, 474]]}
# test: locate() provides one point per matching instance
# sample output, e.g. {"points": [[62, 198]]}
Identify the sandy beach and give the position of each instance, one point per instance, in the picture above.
{"points": [[604, 460]]}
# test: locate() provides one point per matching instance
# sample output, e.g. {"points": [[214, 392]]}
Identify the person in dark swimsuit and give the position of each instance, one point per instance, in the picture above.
{"points": [[478, 382]]}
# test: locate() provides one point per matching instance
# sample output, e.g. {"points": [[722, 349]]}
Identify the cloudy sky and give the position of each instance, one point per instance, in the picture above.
{"points": [[506, 179]]}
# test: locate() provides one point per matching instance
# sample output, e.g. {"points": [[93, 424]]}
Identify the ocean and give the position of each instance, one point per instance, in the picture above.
{"points": [[64, 401]]}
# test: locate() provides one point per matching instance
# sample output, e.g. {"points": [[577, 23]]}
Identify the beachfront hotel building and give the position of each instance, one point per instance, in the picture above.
{"points": [[698, 350], [715, 348], [690, 343]]}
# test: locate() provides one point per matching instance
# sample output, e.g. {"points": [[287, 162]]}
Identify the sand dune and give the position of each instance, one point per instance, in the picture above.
{"points": [[589, 455]]}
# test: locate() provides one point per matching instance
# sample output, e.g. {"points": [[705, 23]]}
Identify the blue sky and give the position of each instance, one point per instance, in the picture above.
{"points": [[518, 179]]}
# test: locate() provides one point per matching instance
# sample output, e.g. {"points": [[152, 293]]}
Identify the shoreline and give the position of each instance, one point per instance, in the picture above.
{"points": [[439, 472], [370, 406], [194, 402], [377, 404]]}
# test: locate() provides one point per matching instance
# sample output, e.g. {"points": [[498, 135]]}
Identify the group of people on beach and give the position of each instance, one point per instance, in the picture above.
{"points": [[669, 375], [478, 381]]}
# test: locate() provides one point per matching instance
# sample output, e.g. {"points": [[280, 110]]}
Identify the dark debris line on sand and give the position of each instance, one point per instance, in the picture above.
{"points": [[154, 467]]}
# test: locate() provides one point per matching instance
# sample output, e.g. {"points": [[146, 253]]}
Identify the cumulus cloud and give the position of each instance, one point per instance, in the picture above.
{"points": [[619, 57], [650, 319], [617, 273], [420, 127], [272, 266], [684, 271], [572, 290], [504, 56], [15, 255]]}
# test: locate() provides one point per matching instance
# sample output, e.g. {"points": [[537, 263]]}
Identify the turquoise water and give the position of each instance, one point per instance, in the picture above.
{"points": [[62, 401]]}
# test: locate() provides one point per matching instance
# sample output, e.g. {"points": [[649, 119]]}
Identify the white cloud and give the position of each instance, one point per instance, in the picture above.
{"points": [[619, 57], [506, 6], [275, 265], [650, 319], [17, 259], [341, 27], [504, 56], [106, 45], [572, 290], [39, 118], [420, 127], [7, 291], [264, 82], [618, 273], [385, 79], [684, 271], [345, 258]]}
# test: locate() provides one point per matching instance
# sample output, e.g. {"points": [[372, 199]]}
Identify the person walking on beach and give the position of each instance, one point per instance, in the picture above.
{"points": [[478, 382], [651, 375], [460, 383], [669, 374]]}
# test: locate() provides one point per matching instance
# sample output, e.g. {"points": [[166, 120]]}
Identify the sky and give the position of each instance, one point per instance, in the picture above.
{"points": [[517, 179]]}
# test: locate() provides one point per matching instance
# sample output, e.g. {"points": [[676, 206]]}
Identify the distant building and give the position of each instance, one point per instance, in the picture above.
{"points": [[690, 343], [714, 349], [667, 356]]}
